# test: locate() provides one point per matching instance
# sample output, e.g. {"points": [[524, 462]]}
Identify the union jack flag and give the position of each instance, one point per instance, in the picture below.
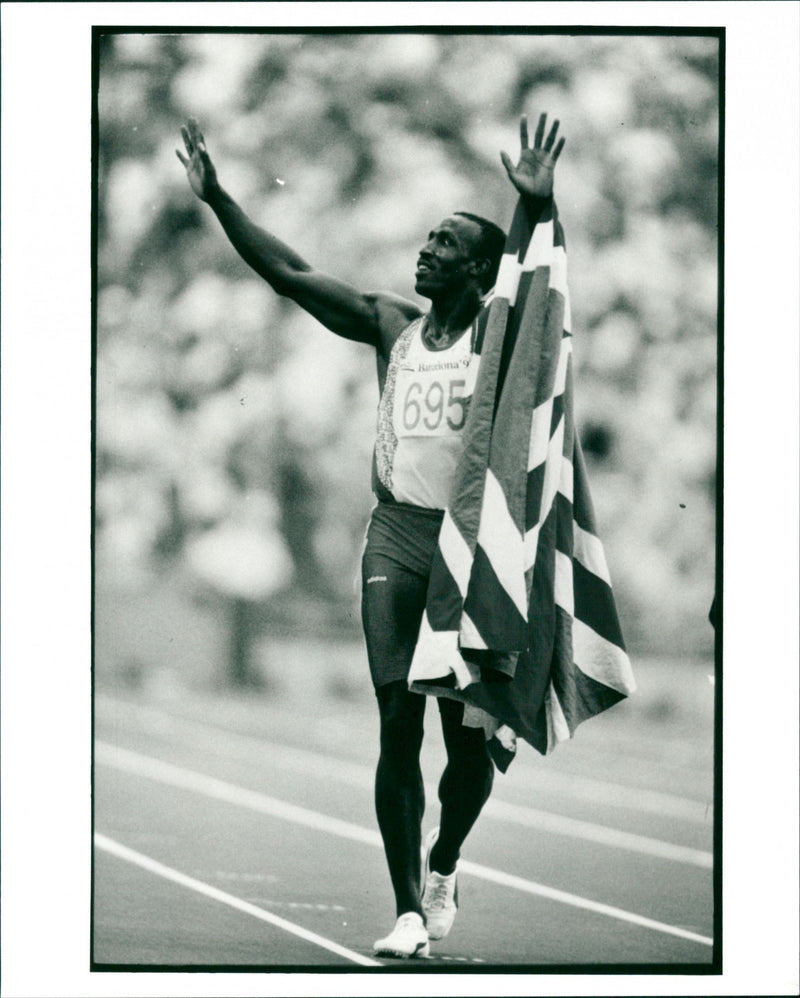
{"points": [[520, 622]]}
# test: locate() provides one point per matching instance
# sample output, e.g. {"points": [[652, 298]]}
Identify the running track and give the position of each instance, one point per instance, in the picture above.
{"points": [[242, 835]]}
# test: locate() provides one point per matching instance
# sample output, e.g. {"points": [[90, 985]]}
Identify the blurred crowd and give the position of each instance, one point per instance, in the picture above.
{"points": [[234, 434]]}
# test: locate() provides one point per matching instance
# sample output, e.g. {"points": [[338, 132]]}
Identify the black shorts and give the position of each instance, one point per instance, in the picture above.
{"points": [[401, 541]]}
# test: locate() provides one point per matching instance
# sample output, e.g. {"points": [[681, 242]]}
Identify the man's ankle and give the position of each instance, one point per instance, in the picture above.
{"points": [[437, 866]]}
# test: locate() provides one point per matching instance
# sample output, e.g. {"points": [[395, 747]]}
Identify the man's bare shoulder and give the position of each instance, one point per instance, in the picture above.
{"points": [[393, 313], [393, 307]]}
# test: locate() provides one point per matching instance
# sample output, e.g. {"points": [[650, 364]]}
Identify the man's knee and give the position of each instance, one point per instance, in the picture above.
{"points": [[460, 739], [401, 715]]}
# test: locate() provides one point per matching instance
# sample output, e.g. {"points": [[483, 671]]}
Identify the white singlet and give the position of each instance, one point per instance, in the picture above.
{"points": [[421, 414]]}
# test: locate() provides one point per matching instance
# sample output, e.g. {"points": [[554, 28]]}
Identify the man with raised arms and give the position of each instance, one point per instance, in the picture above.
{"points": [[427, 367]]}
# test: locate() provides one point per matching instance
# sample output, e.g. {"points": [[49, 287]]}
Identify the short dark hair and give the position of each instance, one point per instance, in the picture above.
{"points": [[493, 241]]}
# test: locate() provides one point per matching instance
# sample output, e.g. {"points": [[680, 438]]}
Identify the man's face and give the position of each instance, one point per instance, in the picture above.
{"points": [[445, 262]]}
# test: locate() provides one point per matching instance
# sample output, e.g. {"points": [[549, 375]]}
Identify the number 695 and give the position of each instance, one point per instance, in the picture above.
{"points": [[431, 406]]}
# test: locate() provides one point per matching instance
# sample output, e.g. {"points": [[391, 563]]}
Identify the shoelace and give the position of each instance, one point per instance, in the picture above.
{"points": [[408, 919], [437, 898]]}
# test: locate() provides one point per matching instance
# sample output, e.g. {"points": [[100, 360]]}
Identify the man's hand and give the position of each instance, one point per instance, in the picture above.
{"points": [[533, 175], [199, 168]]}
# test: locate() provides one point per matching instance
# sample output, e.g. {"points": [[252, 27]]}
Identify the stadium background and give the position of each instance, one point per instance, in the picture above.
{"points": [[234, 434]]}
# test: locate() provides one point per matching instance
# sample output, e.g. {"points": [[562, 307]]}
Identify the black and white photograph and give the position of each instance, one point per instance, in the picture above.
{"points": [[369, 462], [413, 367]]}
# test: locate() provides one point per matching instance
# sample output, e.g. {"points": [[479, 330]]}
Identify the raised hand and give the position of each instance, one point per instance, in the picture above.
{"points": [[533, 174], [199, 168]]}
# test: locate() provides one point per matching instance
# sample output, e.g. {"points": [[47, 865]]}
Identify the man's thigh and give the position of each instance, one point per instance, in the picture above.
{"points": [[392, 605]]}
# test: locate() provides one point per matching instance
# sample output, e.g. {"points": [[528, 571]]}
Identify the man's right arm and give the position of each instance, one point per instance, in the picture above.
{"points": [[337, 305]]}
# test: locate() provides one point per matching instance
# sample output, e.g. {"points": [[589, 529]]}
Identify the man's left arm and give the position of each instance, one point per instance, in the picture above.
{"points": [[533, 174]]}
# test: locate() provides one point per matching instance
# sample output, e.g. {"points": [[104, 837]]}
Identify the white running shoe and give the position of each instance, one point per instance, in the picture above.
{"points": [[439, 894], [408, 938]]}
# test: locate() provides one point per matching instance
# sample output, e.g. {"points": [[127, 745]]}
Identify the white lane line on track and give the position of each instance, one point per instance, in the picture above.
{"points": [[356, 774], [587, 789], [590, 790], [209, 786], [168, 873], [558, 824], [541, 890]]}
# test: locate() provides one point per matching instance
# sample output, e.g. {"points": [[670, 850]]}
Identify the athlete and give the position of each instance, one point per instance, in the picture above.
{"points": [[427, 366]]}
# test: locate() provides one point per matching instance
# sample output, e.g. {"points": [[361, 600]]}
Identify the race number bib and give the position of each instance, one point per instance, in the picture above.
{"points": [[432, 403], [421, 418]]}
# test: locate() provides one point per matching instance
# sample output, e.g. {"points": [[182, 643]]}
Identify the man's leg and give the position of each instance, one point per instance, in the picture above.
{"points": [[464, 787], [399, 791], [393, 600], [395, 567]]}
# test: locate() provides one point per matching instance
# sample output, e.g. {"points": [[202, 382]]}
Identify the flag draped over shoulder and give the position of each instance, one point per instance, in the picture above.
{"points": [[520, 622]]}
